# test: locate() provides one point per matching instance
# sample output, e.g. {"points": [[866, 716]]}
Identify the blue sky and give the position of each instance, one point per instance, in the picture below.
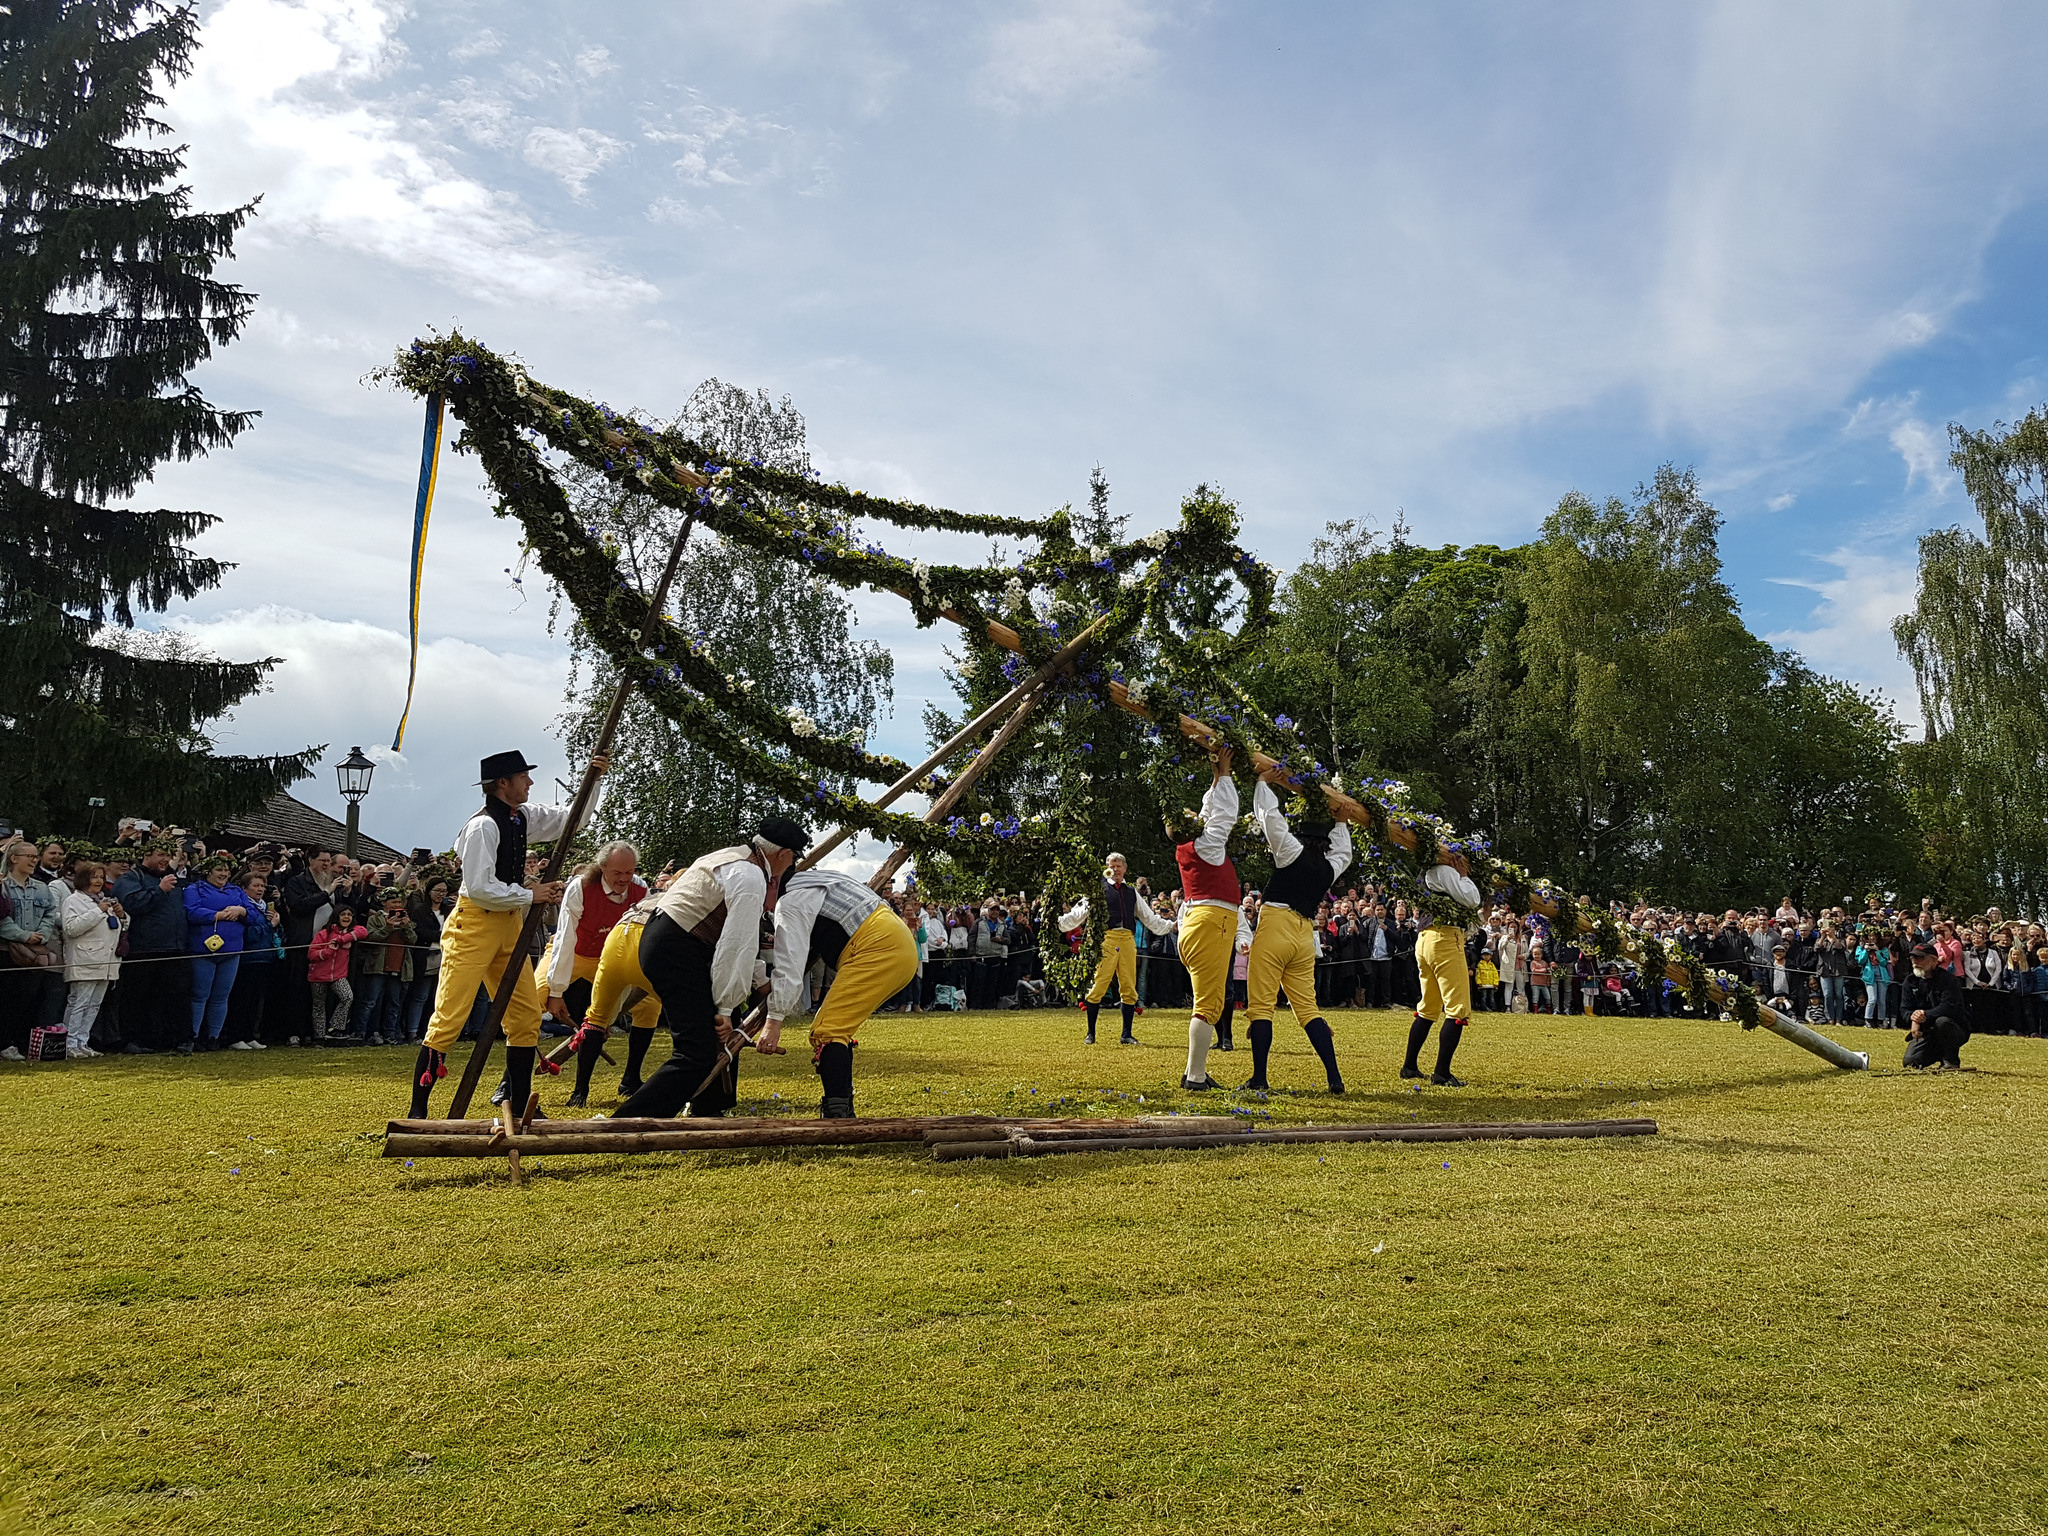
{"points": [[1450, 260]]}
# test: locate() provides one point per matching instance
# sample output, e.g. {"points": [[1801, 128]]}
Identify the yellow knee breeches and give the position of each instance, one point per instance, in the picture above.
{"points": [[646, 1012], [1119, 961], [1446, 983], [618, 972], [876, 964], [1208, 941], [476, 946], [1283, 958]]}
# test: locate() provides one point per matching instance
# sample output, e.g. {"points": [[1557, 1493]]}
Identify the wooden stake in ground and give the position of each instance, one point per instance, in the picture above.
{"points": [[586, 791]]}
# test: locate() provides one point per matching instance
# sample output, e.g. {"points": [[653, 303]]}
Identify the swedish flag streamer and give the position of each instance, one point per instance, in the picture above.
{"points": [[423, 509]]}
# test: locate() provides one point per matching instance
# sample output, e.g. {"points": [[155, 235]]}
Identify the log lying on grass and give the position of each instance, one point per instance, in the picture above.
{"points": [[476, 1138], [1027, 1143]]}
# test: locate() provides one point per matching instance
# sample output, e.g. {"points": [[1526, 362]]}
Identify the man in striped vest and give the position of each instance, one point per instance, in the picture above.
{"points": [[699, 943], [1209, 913], [858, 934]]}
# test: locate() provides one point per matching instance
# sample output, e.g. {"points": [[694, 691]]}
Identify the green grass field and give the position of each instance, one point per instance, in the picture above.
{"points": [[1814, 1302]]}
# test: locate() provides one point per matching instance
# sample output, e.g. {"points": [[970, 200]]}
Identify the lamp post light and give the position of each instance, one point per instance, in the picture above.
{"points": [[354, 773]]}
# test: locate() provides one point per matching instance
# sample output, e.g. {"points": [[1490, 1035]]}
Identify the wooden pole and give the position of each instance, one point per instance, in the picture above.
{"points": [[1009, 701], [1029, 1144], [515, 970], [881, 879], [475, 1138]]}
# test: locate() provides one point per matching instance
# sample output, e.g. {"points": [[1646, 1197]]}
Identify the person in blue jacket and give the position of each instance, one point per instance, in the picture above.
{"points": [[216, 924], [155, 984]]}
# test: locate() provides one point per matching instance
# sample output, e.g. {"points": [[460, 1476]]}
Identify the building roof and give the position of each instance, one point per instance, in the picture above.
{"points": [[297, 825]]}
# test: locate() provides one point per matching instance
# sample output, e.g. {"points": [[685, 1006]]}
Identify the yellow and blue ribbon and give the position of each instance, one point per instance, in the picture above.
{"points": [[423, 509]]}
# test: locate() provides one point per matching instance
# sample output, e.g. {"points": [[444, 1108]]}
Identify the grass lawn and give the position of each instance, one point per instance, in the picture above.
{"points": [[1814, 1302]]}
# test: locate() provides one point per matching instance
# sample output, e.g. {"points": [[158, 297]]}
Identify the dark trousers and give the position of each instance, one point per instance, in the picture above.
{"points": [[1939, 1040], [677, 964], [31, 997], [156, 999], [250, 1001], [1379, 978]]}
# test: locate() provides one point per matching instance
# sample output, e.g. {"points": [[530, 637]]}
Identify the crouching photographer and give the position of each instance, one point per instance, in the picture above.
{"points": [[1934, 1009]]}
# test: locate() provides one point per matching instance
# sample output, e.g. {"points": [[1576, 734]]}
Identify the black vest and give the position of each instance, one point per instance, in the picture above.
{"points": [[1303, 884], [511, 868], [1119, 906], [827, 940]]}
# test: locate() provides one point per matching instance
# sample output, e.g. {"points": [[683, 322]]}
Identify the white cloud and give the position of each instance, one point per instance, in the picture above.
{"points": [[1926, 454], [594, 62], [278, 102], [1849, 633], [481, 45], [343, 683], [1062, 49], [1782, 501], [575, 155]]}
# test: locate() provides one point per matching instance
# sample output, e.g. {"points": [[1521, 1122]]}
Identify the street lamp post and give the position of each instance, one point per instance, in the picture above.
{"points": [[354, 773]]}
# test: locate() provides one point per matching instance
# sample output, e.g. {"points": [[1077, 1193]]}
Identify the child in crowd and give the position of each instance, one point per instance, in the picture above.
{"points": [[1540, 995], [387, 967], [327, 971], [1876, 960], [1488, 978]]}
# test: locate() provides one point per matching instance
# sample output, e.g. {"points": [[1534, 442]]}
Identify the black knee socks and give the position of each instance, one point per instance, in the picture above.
{"points": [[1261, 1035], [637, 1041], [431, 1067], [1447, 1045], [1223, 1024], [1093, 1010], [1418, 1032], [835, 1073], [1130, 1013], [1319, 1036], [518, 1080], [587, 1055]]}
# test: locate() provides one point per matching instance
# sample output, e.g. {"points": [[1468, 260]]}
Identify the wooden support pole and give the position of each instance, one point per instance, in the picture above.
{"points": [[586, 791], [1019, 717], [1009, 701], [478, 1138], [1029, 1144]]}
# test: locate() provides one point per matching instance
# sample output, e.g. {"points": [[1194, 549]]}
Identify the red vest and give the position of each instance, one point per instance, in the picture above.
{"points": [[1202, 881], [601, 914]]}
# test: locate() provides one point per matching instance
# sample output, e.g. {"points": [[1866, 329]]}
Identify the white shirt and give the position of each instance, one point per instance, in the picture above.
{"points": [[739, 942], [1212, 843], [476, 848], [796, 913], [1446, 881], [562, 970], [1075, 915], [1286, 847]]}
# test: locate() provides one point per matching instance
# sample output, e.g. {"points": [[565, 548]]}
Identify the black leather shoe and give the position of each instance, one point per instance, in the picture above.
{"points": [[1189, 1086], [1445, 1080], [1413, 1072], [628, 1089], [836, 1109], [1256, 1085], [579, 1101]]}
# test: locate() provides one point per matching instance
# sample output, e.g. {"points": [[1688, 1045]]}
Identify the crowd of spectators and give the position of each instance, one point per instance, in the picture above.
{"points": [[156, 943]]}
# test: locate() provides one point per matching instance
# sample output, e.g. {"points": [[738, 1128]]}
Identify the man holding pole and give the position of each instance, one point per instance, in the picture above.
{"points": [[1209, 920], [1283, 956], [592, 905], [698, 944], [1446, 983], [482, 934], [820, 915]]}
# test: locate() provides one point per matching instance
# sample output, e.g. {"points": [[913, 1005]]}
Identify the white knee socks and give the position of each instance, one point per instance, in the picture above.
{"points": [[1201, 1035]]}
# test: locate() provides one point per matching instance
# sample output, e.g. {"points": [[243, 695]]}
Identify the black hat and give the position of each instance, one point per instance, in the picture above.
{"points": [[784, 833], [504, 765], [1925, 952]]}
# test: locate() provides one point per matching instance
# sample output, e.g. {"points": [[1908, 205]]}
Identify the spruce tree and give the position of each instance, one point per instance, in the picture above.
{"points": [[107, 302]]}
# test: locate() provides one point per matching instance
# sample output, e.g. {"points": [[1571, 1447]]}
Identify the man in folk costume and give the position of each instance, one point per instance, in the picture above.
{"points": [[1210, 915], [699, 943], [1122, 910], [592, 906], [1440, 960], [820, 915], [482, 934], [1306, 862]]}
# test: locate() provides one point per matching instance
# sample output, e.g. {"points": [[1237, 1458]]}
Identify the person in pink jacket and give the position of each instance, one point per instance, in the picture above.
{"points": [[327, 973]]}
